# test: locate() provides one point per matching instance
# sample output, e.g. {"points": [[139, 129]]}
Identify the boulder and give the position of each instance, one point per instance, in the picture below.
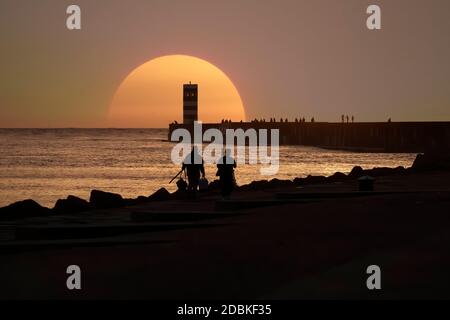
{"points": [[379, 172], [133, 202], [315, 179], [141, 199], [106, 200], [214, 185], [399, 170], [160, 195], [24, 209], [432, 161], [72, 205], [337, 177], [277, 183], [255, 185], [356, 172], [421, 162], [299, 181], [178, 195], [366, 183]]}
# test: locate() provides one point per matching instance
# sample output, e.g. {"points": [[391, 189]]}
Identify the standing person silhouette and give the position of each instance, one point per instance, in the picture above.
{"points": [[225, 171], [194, 166]]}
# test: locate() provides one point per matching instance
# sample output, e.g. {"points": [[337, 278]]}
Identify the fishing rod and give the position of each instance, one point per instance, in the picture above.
{"points": [[176, 176]]}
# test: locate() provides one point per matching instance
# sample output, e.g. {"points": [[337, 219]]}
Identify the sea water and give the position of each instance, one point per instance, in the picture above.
{"points": [[49, 164]]}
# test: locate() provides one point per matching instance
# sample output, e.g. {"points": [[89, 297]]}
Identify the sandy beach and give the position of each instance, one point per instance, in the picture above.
{"points": [[316, 244], [197, 154]]}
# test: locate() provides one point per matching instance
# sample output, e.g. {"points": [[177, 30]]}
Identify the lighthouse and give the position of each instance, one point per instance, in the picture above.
{"points": [[190, 103]]}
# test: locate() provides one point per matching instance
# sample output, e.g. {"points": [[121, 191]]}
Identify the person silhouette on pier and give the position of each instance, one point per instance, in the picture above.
{"points": [[225, 172], [194, 166]]}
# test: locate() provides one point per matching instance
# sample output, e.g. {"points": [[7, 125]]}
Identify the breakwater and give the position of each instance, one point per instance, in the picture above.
{"points": [[360, 136]]}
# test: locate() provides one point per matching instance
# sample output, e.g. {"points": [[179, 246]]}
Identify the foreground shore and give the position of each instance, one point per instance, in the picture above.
{"points": [[309, 238]]}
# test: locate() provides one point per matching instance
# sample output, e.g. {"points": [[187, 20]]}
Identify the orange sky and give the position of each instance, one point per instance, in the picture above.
{"points": [[286, 58], [151, 96]]}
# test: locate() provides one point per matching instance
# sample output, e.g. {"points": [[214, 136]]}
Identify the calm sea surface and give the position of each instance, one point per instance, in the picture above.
{"points": [[48, 164]]}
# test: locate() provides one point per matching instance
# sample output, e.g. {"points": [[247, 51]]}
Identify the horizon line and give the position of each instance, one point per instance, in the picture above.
{"points": [[248, 122]]}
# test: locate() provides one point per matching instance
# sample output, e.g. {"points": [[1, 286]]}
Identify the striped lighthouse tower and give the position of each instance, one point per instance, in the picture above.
{"points": [[190, 103]]}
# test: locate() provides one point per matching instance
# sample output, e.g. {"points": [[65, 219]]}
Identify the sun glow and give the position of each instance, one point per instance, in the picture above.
{"points": [[151, 95]]}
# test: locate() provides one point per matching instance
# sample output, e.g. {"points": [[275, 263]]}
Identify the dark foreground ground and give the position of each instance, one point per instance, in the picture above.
{"points": [[315, 245]]}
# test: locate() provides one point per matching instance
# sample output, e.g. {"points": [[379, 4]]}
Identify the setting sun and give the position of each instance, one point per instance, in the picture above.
{"points": [[151, 95]]}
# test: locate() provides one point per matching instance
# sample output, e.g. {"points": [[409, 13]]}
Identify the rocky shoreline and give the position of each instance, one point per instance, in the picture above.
{"points": [[106, 200], [305, 238]]}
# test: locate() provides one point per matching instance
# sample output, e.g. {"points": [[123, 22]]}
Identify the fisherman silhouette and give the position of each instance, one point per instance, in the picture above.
{"points": [[225, 172], [194, 166]]}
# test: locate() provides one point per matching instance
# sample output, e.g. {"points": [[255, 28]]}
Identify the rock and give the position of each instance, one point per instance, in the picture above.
{"points": [[366, 183], [421, 162], [432, 161], [71, 205], [277, 183], [106, 200], [178, 195], [129, 202], [379, 172], [255, 185], [133, 202], [141, 199], [337, 177], [399, 170], [356, 172], [214, 185], [160, 195], [315, 179], [24, 209], [299, 181]]}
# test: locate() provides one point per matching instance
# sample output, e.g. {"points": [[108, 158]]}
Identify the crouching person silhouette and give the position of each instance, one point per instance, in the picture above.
{"points": [[194, 166], [225, 172]]}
